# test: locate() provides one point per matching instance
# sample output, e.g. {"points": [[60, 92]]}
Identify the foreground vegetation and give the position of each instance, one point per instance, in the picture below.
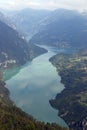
{"points": [[72, 102]]}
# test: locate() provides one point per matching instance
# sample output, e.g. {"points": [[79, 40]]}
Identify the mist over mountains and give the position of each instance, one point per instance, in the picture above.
{"points": [[27, 21], [14, 49], [61, 27]]}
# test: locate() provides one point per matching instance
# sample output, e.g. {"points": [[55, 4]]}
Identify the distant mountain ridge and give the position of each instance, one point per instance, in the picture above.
{"points": [[27, 21], [63, 28], [60, 28]]}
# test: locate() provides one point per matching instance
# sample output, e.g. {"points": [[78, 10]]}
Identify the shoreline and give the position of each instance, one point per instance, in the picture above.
{"points": [[10, 72], [12, 117], [41, 60], [68, 101]]}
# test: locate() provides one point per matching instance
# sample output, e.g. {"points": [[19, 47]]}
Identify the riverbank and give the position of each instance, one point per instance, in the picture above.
{"points": [[37, 82], [13, 69], [72, 101], [13, 118]]}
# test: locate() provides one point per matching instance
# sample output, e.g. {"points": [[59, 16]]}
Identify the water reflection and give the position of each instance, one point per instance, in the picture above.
{"points": [[35, 84]]}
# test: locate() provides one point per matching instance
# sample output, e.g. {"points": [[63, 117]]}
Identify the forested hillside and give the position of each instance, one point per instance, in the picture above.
{"points": [[72, 102], [14, 50]]}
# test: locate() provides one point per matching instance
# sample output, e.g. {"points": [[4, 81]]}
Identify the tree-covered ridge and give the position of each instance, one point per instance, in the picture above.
{"points": [[14, 49], [72, 102], [13, 118]]}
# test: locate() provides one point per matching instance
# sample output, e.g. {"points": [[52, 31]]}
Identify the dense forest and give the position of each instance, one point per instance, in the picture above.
{"points": [[72, 102]]}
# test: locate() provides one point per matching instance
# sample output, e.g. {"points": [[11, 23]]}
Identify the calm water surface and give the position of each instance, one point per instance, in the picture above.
{"points": [[35, 84]]}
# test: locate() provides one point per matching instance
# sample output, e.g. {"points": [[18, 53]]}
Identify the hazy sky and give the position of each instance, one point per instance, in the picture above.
{"points": [[44, 4]]}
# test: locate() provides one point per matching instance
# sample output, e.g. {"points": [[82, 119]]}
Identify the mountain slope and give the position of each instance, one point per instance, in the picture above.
{"points": [[27, 21], [72, 101], [14, 49], [64, 28]]}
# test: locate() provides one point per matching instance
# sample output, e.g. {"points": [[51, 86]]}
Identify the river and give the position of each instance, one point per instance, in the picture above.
{"points": [[35, 84]]}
